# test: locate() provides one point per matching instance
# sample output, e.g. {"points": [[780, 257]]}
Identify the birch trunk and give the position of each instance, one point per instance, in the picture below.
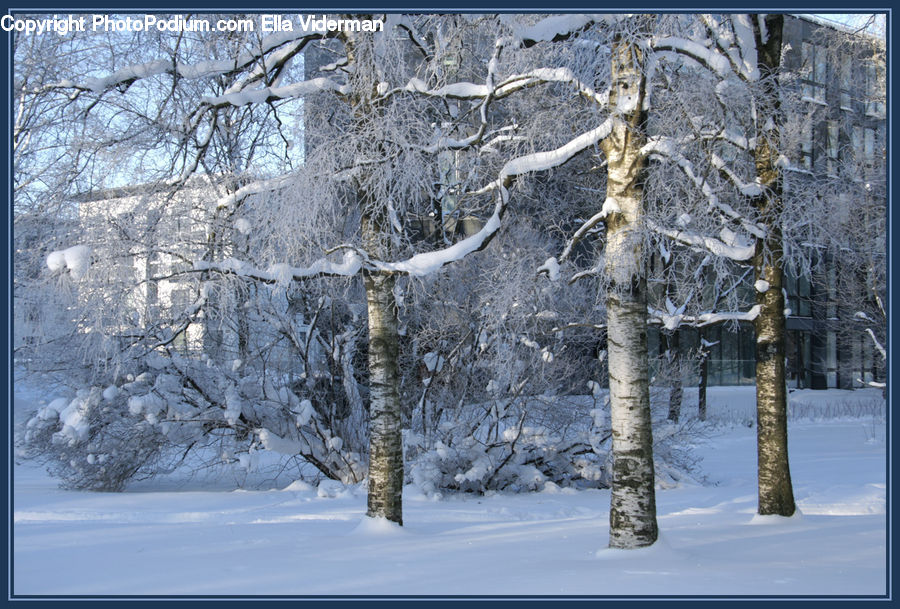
{"points": [[632, 514], [775, 489], [385, 437]]}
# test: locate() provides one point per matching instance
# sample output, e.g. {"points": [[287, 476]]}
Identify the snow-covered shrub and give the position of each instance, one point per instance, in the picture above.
{"points": [[94, 441], [105, 437], [504, 446]]}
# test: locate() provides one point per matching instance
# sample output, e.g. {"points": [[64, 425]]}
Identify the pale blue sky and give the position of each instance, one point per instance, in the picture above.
{"points": [[857, 20]]}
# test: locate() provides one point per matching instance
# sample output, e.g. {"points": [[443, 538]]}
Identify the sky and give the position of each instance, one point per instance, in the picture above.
{"points": [[874, 23]]}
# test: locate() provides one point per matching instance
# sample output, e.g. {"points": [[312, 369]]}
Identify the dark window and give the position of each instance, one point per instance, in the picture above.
{"points": [[815, 69]]}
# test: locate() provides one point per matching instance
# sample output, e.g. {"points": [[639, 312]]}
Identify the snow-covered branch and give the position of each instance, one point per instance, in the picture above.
{"points": [[429, 262], [270, 94], [734, 39], [125, 77], [671, 320], [727, 245], [283, 273], [695, 51], [229, 200], [877, 343], [668, 148], [555, 28]]}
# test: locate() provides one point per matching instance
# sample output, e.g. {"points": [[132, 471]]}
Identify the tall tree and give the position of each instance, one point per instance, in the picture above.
{"points": [[632, 517], [776, 494]]}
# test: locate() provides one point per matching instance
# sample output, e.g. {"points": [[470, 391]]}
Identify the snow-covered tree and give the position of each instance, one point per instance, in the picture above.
{"points": [[713, 131], [748, 204], [219, 134], [230, 208]]}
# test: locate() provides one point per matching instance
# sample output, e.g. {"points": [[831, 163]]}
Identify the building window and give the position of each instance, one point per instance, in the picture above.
{"points": [[874, 90], [832, 147], [806, 147], [869, 146], [815, 68], [856, 141], [846, 84]]}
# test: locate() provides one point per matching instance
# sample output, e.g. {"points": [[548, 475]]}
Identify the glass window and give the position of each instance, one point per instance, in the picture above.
{"points": [[815, 70], [856, 140], [874, 90], [806, 147], [869, 149], [803, 309], [832, 147], [846, 79], [821, 69]]}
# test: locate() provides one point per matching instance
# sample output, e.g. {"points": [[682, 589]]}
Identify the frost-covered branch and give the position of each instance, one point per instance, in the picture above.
{"points": [[556, 28], [282, 273], [231, 199], [727, 245], [271, 94], [877, 344], [693, 50], [672, 320], [125, 77], [426, 263], [668, 148]]}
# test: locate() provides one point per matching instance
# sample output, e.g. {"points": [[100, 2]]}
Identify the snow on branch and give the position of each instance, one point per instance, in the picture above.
{"points": [[459, 90], [735, 40], [428, 262], [544, 75], [269, 94], [671, 320], [555, 28], [489, 92], [76, 260], [540, 161], [734, 52], [229, 201], [693, 50], [273, 62], [283, 273], [124, 77], [748, 189], [609, 207], [745, 52], [877, 344], [727, 245]]}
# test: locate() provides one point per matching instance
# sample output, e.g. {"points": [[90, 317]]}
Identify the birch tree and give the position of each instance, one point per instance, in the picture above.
{"points": [[751, 153], [728, 154], [743, 53]]}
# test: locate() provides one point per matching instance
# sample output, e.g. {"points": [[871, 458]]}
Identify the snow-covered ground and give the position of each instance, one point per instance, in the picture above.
{"points": [[167, 538]]}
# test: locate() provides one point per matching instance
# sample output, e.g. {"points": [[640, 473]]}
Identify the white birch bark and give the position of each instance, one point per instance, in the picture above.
{"points": [[385, 435], [775, 488], [632, 515]]}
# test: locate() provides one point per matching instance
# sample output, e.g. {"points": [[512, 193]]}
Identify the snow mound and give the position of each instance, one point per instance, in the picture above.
{"points": [[331, 489], [377, 527], [299, 486]]}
